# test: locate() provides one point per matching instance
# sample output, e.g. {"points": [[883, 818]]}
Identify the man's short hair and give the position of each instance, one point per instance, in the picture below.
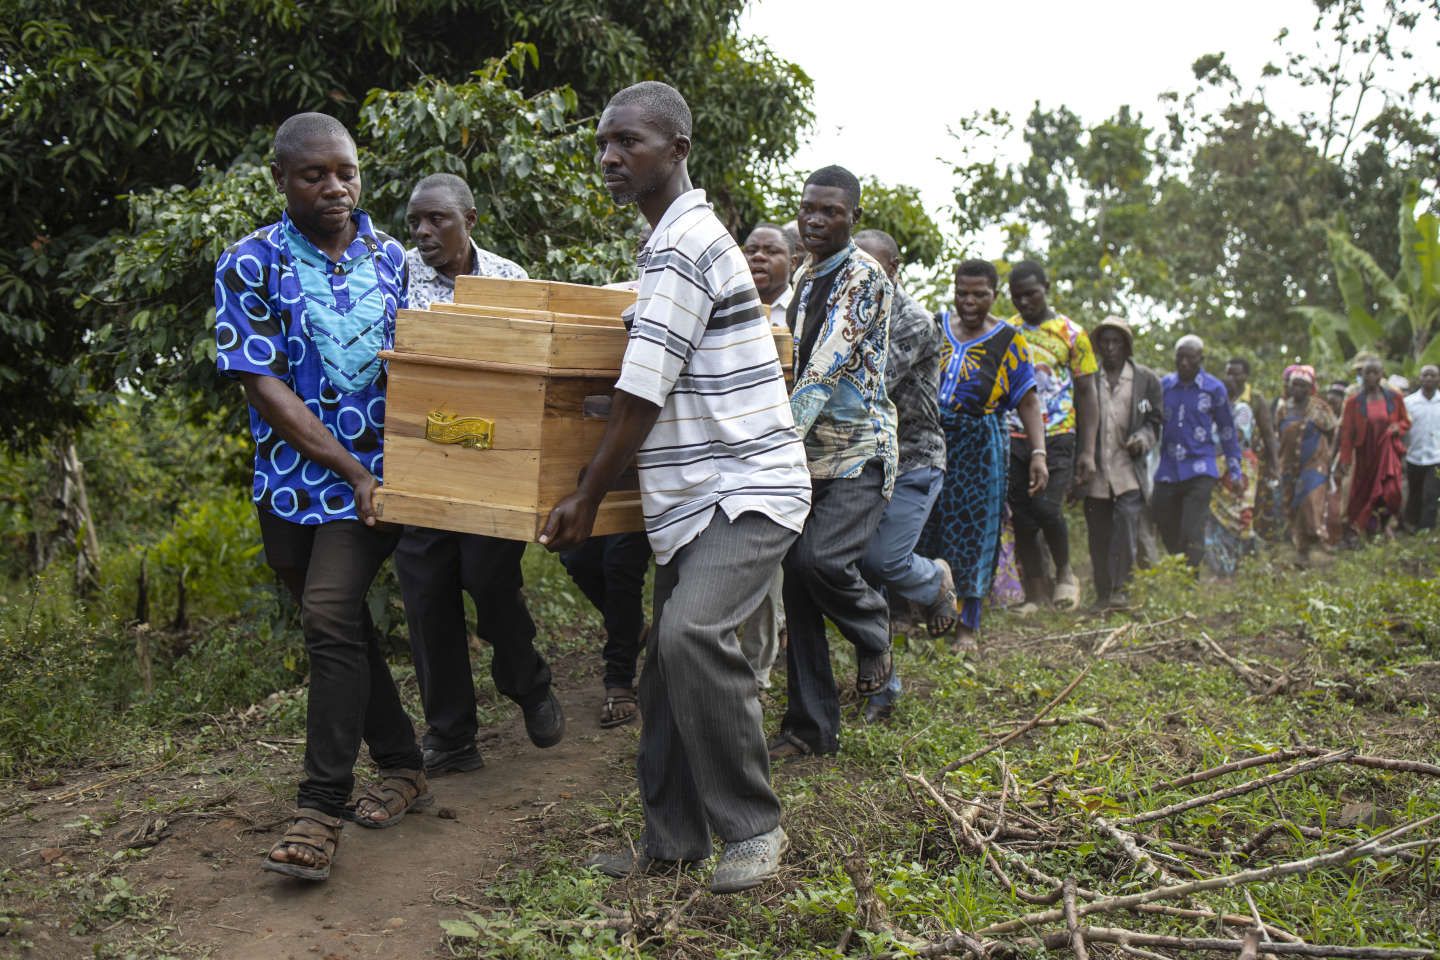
{"points": [[1027, 269], [454, 187], [837, 176], [1240, 362], [882, 240], [661, 103], [790, 241], [1190, 342], [979, 268], [292, 133]]}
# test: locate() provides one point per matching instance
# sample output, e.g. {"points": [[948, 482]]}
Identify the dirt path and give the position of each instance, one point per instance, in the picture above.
{"points": [[202, 882]]}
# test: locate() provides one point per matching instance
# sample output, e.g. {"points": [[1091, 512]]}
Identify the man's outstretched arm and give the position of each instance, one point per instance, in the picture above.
{"points": [[570, 523]]}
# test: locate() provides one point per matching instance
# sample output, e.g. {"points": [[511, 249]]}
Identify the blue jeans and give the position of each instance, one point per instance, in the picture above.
{"points": [[890, 562]]}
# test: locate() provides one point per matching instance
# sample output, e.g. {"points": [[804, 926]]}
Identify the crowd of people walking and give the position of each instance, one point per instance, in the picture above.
{"points": [[889, 475]]}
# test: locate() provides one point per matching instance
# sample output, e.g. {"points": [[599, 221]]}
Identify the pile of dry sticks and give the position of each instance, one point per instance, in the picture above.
{"points": [[1006, 828]]}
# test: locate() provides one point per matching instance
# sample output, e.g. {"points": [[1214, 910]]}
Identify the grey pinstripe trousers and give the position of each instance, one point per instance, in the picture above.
{"points": [[703, 764]]}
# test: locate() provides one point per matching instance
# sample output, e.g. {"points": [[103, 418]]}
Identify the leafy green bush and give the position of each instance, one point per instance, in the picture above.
{"points": [[73, 683], [60, 675], [214, 544]]}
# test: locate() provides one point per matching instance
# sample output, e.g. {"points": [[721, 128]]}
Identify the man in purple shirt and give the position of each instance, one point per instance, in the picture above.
{"points": [[1197, 413]]}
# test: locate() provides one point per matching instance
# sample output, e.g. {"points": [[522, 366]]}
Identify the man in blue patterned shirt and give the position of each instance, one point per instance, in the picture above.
{"points": [[302, 309], [437, 567], [1197, 412]]}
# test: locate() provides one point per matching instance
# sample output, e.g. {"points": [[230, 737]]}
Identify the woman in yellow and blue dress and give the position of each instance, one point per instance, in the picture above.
{"points": [[985, 370]]}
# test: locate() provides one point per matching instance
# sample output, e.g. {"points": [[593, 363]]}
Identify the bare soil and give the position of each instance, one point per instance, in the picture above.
{"points": [[387, 892]]}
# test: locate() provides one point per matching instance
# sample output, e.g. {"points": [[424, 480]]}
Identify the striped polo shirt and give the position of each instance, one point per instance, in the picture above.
{"points": [[701, 350]]}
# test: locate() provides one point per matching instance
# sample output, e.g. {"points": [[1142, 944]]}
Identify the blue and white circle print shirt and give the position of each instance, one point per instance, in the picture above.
{"points": [[271, 303]]}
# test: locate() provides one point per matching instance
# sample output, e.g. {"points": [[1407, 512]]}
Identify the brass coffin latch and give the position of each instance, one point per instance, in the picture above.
{"points": [[476, 433]]}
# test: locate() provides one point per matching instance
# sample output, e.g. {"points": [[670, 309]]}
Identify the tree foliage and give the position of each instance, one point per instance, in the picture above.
{"points": [[1081, 201], [1219, 219], [538, 197], [1396, 316], [120, 116]]}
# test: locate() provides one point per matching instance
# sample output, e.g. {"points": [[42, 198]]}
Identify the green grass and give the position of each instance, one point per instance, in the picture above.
{"points": [[1352, 637], [1355, 644]]}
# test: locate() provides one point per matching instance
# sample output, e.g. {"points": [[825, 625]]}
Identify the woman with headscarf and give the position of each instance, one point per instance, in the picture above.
{"points": [[1371, 431], [1304, 425]]}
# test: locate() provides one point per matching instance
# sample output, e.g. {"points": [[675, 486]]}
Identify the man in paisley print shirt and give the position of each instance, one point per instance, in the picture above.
{"points": [[840, 313]]}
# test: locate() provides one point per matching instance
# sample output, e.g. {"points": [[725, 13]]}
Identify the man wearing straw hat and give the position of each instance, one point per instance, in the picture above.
{"points": [[1131, 416]]}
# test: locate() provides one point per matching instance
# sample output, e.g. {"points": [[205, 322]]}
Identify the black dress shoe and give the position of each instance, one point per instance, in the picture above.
{"points": [[545, 722], [457, 760]]}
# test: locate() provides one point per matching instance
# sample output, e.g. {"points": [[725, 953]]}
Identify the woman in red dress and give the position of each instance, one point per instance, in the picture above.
{"points": [[1371, 428]]}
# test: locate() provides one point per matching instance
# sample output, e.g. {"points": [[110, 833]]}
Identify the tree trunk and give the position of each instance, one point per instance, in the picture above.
{"points": [[77, 520], [142, 590], [182, 612], [71, 522]]}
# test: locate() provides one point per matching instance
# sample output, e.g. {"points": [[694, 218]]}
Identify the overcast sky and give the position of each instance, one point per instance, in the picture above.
{"points": [[892, 77]]}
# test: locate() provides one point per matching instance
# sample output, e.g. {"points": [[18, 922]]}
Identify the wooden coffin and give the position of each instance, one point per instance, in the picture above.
{"points": [[495, 402]]}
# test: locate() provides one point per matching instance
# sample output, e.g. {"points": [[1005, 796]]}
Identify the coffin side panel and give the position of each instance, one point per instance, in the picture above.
{"points": [[504, 476]]}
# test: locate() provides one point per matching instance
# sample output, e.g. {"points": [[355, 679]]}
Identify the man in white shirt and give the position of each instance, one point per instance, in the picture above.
{"points": [[1422, 459], [701, 408]]}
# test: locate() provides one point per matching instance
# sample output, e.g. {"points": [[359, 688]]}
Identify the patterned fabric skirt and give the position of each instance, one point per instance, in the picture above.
{"points": [[1007, 590], [1229, 534], [964, 526]]}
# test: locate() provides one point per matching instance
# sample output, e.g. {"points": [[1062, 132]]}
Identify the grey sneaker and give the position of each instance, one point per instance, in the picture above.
{"points": [[749, 863], [627, 863]]}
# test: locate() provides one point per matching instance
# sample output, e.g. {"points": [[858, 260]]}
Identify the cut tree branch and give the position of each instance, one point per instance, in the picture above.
{"points": [[1020, 730], [1072, 921], [1343, 855], [1060, 940], [1240, 788]]}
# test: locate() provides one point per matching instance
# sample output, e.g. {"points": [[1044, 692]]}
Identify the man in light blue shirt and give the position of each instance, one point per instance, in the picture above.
{"points": [[437, 567]]}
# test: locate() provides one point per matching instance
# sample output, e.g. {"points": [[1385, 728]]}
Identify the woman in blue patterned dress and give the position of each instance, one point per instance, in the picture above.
{"points": [[985, 370]]}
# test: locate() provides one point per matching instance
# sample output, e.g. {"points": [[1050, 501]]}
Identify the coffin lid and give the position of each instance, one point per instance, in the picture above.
{"points": [[543, 300]]}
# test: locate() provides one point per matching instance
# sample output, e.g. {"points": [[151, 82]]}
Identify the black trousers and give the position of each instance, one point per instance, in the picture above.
{"points": [[1114, 527], [1422, 495], [1180, 511], [1042, 515], [822, 579], [434, 567], [328, 568], [610, 571]]}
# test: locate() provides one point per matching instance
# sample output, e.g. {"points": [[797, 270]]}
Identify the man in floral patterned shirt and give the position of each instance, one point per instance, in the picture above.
{"points": [[1065, 377]]}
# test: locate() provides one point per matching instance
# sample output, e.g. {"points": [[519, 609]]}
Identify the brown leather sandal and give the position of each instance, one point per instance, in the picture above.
{"points": [[319, 832], [399, 792], [612, 712]]}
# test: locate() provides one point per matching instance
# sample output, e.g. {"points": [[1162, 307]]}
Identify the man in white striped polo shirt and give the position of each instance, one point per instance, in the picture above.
{"points": [[702, 407]]}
